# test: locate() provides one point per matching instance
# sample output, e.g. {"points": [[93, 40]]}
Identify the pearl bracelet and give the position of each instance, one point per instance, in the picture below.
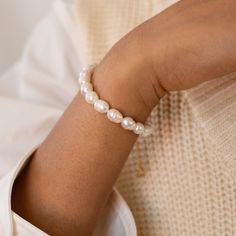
{"points": [[86, 89]]}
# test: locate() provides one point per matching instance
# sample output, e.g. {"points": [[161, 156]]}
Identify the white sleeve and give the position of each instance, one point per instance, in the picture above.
{"points": [[36, 90]]}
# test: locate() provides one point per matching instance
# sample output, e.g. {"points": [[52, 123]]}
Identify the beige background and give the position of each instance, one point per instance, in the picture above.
{"points": [[17, 18]]}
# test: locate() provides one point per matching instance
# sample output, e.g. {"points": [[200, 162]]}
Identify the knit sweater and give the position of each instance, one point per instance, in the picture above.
{"points": [[190, 160]]}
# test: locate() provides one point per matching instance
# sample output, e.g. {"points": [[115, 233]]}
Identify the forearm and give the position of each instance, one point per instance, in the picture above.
{"points": [[65, 185]]}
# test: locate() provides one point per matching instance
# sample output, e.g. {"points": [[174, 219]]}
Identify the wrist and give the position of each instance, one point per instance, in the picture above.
{"points": [[119, 88], [127, 84]]}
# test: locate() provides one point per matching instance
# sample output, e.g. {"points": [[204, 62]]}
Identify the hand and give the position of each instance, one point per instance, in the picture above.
{"points": [[191, 42]]}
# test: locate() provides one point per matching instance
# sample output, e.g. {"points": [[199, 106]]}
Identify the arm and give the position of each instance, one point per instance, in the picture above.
{"points": [[82, 168], [78, 164]]}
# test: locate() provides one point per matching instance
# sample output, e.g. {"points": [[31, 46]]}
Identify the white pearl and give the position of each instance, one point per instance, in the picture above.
{"points": [[86, 73], [101, 106], [147, 131], [139, 128], [90, 68], [86, 87], [114, 116], [128, 123], [91, 97], [84, 77]]}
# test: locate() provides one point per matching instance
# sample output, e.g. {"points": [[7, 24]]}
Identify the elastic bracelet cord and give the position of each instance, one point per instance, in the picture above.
{"points": [[91, 97]]}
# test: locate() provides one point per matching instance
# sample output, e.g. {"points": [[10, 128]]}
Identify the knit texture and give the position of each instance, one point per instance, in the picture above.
{"points": [[190, 160]]}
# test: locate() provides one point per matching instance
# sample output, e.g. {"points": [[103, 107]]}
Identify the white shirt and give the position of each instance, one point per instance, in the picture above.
{"points": [[33, 95]]}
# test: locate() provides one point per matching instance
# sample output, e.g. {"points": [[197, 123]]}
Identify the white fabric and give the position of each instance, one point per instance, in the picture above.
{"points": [[16, 25], [33, 95]]}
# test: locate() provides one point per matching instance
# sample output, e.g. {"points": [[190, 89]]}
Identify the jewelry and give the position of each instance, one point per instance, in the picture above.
{"points": [[86, 89]]}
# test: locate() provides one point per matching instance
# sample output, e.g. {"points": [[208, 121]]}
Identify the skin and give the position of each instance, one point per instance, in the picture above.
{"points": [[65, 185]]}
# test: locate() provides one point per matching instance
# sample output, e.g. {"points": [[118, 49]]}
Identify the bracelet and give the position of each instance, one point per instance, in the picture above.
{"points": [[86, 89]]}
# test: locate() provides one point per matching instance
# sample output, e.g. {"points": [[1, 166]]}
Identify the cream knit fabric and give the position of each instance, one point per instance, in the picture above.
{"points": [[190, 160]]}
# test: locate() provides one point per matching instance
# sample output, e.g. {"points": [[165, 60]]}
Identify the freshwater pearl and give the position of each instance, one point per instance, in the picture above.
{"points": [[147, 131], [114, 116], [90, 68], [86, 73], [84, 76], [128, 123], [91, 97], [101, 106], [86, 87], [139, 128]]}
